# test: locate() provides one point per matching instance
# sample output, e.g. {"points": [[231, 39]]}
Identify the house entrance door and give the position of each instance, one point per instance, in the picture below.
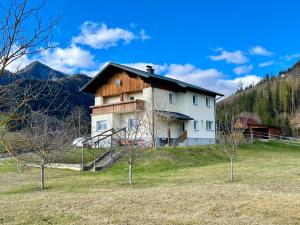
{"points": [[182, 128]]}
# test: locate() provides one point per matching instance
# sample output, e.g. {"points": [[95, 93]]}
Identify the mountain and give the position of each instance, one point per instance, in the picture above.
{"points": [[67, 94], [275, 101], [37, 70]]}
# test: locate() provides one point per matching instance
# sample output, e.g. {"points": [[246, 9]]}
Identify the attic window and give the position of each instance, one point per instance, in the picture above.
{"points": [[118, 82]]}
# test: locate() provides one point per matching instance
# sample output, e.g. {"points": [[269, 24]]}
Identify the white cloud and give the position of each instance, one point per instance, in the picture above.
{"points": [[259, 50], [99, 36], [243, 69], [93, 72], [231, 85], [236, 57], [18, 63], [211, 79], [291, 57], [67, 60], [143, 35], [159, 68], [267, 63]]}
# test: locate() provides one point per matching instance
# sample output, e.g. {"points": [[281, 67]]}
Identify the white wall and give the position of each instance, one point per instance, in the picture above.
{"points": [[184, 104], [95, 118], [98, 100], [111, 99]]}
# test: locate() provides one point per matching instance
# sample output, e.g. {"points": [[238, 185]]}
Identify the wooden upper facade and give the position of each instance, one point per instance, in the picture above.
{"points": [[125, 84]]}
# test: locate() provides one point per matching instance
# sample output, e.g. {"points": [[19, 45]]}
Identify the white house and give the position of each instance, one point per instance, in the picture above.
{"points": [[171, 111]]}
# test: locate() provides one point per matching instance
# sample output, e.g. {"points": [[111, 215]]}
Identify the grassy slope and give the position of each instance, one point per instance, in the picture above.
{"points": [[173, 186]]}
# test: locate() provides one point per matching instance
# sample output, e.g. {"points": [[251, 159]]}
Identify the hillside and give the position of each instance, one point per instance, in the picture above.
{"points": [[67, 85], [171, 186], [275, 100]]}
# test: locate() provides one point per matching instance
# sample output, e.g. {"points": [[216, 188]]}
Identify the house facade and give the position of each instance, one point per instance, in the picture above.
{"points": [[164, 110]]}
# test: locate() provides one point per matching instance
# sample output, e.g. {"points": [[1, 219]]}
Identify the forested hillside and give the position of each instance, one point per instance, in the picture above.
{"points": [[64, 94], [276, 100]]}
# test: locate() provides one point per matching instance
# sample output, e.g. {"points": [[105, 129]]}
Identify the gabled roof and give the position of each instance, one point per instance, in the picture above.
{"points": [[94, 83]]}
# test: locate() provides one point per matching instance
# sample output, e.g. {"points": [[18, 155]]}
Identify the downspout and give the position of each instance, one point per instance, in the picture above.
{"points": [[215, 112], [152, 114]]}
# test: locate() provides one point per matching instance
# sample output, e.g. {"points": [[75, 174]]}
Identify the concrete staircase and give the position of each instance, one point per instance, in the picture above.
{"points": [[104, 161]]}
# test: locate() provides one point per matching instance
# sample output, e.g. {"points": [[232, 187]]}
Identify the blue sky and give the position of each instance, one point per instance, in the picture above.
{"points": [[216, 44]]}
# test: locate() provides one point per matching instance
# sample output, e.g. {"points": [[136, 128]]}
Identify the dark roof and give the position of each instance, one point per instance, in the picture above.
{"points": [[247, 120], [91, 86], [173, 115]]}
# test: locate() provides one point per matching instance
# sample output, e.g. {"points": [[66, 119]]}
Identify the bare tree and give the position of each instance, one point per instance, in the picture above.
{"points": [[152, 123], [229, 141], [134, 138], [78, 118], [22, 32], [41, 142]]}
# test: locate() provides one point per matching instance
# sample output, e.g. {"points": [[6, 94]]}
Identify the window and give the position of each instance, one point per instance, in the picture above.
{"points": [[101, 125], [196, 125], [133, 124], [207, 102], [209, 125], [172, 98], [195, 100]]}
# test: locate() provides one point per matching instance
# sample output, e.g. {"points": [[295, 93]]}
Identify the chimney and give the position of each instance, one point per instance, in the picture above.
{"points": [[150, 69]]}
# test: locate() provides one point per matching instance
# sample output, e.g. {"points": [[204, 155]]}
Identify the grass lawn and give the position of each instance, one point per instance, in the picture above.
{"points": [[73, 156], [172, 186]]}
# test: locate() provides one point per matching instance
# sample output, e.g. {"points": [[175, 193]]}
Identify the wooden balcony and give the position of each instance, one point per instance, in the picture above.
{"points": [[119, 107]]}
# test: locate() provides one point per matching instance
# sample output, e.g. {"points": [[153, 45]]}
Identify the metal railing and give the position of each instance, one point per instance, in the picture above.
{"points": [[100, 137]]}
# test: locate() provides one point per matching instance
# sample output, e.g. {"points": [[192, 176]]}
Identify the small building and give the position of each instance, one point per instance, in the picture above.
{"points": [[254, 130], [177, 112]]}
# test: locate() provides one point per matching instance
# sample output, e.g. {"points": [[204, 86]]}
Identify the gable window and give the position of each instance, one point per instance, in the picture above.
{"points": [[133, 124], [196, 125], [195, 100], [172, 98], [209, 125], [208, 102], [101, 125]]}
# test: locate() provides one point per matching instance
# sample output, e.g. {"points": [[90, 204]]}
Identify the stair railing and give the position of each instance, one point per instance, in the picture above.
{"points": [[104, 135]]}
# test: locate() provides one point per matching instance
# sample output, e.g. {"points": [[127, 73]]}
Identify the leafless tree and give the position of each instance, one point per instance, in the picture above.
{"points": [[229, 141], [41, 142], [22, 31], [133, 141], [78, 118], [152, 122]]}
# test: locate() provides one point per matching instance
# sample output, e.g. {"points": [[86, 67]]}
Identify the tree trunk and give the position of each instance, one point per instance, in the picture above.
{"points": [[42, 177], [231, 169], [130, 172]]}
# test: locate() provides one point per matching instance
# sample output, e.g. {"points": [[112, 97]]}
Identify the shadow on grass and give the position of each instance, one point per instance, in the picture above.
{"points": [[26, 189]]}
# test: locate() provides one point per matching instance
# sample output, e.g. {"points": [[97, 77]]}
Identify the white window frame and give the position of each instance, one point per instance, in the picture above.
{"points": [[172, 98], [196, 125], [208, 102], [133, 124], [101, 125], [195, 97], [209, 125]]}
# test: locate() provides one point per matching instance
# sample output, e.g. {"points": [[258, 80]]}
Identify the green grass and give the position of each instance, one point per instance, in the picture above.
{"points": [[73, 156], [171, 186]]}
